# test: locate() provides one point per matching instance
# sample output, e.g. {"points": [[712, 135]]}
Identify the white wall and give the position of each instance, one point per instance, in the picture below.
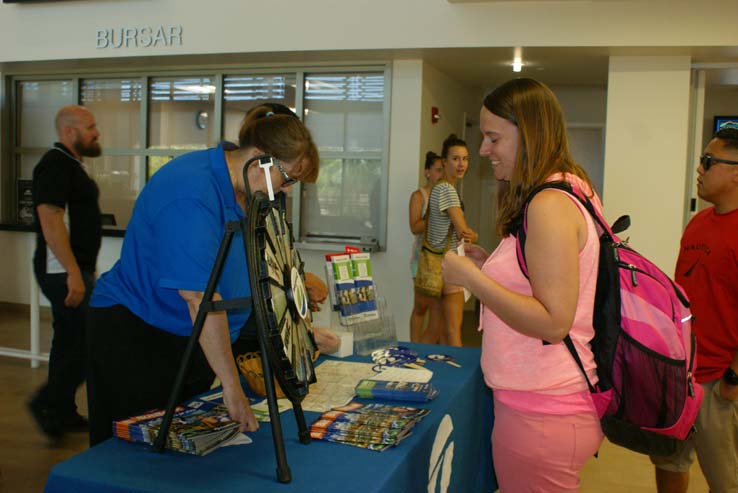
{"points": [[585, 110], [455, 103], [582, 104], [15, 264], [67, 30], [646, 151]]}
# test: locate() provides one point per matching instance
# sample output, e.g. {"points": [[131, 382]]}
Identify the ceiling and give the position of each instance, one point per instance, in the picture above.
{"points": [[487, 67], [479, 68]]}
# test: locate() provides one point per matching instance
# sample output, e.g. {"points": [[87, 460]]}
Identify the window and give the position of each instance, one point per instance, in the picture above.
{"points": [[243, 92], [116, 104], [345, 113], [32, 134], [145, 120]]}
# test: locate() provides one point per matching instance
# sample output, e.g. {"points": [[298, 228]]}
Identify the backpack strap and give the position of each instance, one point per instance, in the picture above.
{"points": [[521, 222], [426, 216], [573, 350], [521, 235]]}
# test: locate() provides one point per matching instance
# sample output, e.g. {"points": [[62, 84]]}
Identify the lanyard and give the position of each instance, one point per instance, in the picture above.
{"points": [[83, 165]]}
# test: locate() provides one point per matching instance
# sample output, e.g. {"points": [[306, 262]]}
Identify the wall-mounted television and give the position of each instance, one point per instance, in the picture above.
{"points": [[720, 120]]}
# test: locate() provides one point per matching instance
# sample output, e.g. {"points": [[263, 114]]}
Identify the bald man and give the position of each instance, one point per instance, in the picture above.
{"points": [[68, 240]]}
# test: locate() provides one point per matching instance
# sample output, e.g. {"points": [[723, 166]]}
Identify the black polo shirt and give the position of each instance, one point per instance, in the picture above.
{"points": [[60, 180]]}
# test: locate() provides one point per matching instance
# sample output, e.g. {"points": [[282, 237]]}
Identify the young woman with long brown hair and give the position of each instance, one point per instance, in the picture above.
{"points": [[546, 426]]}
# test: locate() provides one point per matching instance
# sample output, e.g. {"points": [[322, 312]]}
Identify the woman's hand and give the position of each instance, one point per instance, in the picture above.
{"points": [[476, 254], [456, 269], [317, 291], [239, 408], [469, 235], [326, 340]]}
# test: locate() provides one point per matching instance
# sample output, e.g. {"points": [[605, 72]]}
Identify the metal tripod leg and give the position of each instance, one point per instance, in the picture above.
{"points": [[283, 469], [302, 430]]}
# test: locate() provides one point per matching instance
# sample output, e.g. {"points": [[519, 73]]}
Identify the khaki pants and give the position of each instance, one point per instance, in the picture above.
{"points": [[715, 442]]}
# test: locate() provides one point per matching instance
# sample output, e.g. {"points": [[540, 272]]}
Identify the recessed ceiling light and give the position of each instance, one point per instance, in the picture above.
{"points": [[517, 64]]}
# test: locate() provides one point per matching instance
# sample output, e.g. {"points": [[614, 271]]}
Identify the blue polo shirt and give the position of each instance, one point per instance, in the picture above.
{"points": [[171, 243]]}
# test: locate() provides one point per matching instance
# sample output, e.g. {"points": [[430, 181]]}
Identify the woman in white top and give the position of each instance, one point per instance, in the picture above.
{"points": [[418, 207]]}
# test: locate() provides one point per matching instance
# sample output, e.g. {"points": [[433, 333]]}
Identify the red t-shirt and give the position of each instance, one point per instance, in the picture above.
{"points": [[707, 269]]}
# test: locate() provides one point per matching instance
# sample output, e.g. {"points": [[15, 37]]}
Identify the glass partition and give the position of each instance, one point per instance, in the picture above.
{"points": [[118, 178], [345, 113], [38, 102], [116, 104], [243, 92], [181, 113]]}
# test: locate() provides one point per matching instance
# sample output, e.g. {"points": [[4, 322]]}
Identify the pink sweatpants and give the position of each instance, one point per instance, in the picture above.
{"points": [[542, 453]]}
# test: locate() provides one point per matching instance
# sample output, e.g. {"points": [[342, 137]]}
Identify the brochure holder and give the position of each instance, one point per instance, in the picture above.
{"points": [[354, 297], [280, 305]]}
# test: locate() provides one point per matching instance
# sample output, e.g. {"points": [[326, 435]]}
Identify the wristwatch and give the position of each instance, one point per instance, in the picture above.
{"points": [[730, 376]]}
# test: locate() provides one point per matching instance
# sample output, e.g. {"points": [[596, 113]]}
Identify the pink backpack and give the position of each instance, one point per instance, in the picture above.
{"points": [[646, 396]]}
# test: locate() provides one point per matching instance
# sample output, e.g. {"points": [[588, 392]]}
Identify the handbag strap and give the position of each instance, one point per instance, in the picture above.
{"points": [[427, 217]]}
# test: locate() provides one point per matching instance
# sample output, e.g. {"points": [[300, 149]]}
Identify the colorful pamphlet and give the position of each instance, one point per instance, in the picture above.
{"points": [[197, 428], [372, 426], [396, 391], [351, 286], [361, 268]]}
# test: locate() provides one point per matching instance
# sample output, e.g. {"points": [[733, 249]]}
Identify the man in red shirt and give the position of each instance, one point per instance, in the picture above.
{"points": [[707, 268]]}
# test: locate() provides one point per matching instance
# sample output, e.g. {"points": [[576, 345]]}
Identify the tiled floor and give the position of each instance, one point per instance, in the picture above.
{"points": [[25, 458]]}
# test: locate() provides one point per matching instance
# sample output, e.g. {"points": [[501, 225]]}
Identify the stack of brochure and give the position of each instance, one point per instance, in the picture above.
{"points": [[197, 428], [371, 426], [351, 286], [396, 391]]}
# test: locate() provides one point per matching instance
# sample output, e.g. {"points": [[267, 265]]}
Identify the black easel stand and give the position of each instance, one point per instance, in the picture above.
{"points": [[207, 305]]}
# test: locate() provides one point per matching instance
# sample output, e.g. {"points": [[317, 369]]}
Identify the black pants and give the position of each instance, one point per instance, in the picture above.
{"points": [[132, 368], [67, 356]]}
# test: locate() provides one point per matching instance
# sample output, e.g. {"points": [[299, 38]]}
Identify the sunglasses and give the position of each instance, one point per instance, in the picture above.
{"points": [[707, 161], [288, 180]]}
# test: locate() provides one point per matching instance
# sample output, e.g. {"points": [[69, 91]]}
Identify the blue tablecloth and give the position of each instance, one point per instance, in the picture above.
{"points": [[449, 450]]}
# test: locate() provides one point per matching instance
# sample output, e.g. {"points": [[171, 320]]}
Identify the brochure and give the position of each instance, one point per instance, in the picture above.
{"points": [[198, 427]]}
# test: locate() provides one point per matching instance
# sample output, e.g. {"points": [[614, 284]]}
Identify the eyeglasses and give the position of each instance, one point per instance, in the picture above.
{"points": [[288, 180], [707, 161]]}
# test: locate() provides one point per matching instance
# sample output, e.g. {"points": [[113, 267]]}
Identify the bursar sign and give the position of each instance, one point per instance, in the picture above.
{"points": [[138, 37]]}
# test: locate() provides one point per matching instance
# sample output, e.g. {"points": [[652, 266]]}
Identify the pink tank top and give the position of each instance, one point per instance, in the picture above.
{"points": [[524, 373]]}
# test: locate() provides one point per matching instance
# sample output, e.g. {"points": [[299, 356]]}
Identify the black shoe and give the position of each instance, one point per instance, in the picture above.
{"points": [[75, 422], [46, 420]]}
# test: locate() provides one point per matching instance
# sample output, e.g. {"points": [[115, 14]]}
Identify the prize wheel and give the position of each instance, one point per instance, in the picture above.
{"points": [[279, 296]]}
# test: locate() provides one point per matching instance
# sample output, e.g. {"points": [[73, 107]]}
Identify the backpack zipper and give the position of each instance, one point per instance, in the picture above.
{"points": [[633, 269], [690, 385]]}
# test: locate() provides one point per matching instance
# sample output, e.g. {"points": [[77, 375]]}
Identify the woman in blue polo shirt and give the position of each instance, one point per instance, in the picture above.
{"points": [[142, 310]]}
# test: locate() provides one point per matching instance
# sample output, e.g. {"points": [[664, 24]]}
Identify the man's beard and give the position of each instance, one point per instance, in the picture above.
{"points": [[88, 150]]}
